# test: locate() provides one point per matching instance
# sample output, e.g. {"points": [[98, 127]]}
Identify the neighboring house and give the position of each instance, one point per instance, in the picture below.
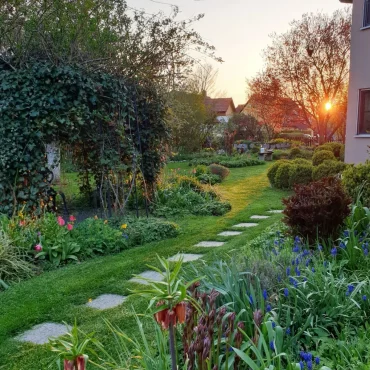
{"points": [[239, 108], [287, 114], [223, 108], [358, 114]]}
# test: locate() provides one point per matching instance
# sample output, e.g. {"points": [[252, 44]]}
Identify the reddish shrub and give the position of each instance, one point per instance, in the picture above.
{"points": [[317, 209], [219, 170]]}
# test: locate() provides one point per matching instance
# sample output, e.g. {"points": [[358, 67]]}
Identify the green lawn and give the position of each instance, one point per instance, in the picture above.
{"points": [[59, 295]]}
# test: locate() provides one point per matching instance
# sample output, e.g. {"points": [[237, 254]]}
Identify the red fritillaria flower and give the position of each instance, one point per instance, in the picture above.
{"points": [[38, 247], [180, 311], [160, 317], [61, 222], [72, 218], [77, 364], [70, 227]]}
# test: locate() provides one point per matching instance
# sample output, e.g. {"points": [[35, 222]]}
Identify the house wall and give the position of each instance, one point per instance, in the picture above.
{"points": [[230, 111], [357, 145]]}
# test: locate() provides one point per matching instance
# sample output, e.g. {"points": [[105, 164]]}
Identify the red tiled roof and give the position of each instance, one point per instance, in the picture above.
{"points": [[239, 108], [219, 105]]}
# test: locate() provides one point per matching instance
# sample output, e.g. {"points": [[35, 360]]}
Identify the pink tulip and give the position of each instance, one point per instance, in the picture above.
{"points": [[61, 222], [72, 218], [38, 248], [70, 227]]}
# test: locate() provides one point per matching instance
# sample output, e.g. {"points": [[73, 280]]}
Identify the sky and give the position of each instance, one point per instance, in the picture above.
{"points": [[240, 29]]}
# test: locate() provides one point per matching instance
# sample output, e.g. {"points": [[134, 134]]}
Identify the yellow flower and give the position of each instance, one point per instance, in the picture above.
{"points": [[90, 300], [124, 226], [105, 222], [96, 217]]}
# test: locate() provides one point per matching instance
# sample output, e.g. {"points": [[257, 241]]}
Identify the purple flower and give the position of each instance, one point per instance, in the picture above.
{"points": [[334, 252], [296, 249], [366, 252], [319, 247], [364, 298], [288, 271], [351, 288], [273, 324], [279, 278], [268, 308], [264, 293], [287, 331], [317, 360], [272, 346], [301, 365], [309, 365], [286, 292], [342, 245], [251, 299]]}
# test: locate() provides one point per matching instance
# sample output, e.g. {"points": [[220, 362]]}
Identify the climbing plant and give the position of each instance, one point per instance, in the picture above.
{"points": [[115, 127]]}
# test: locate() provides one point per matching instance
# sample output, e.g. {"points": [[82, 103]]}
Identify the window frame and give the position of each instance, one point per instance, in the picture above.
{"points": [[366, 15], [361, 112]]}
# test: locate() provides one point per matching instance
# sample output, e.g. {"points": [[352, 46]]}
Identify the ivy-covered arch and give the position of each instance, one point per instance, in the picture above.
{"points": [[115, 128]]}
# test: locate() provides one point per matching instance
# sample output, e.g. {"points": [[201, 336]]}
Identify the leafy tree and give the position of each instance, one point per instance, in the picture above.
{"points": [[100, 35], [311, 63], [247, 127], [190, 122]]}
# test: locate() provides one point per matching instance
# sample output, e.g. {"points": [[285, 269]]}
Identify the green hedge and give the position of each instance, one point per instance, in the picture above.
{"points": [[356, 179], [321, 156], [328, 168], [230, 162]]}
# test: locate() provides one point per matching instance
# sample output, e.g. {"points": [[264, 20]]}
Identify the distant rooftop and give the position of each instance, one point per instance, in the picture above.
{"points": [[346, 1], [219, 105]]}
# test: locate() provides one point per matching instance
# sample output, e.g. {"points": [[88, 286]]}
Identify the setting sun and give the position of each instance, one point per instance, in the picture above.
{"points": [[328, 106]]}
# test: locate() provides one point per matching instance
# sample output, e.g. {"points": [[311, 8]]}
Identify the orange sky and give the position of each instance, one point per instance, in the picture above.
{"points": [[240, 30]]}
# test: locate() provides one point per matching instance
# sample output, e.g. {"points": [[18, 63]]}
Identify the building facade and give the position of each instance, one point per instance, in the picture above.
{"points": [[358, 114]]}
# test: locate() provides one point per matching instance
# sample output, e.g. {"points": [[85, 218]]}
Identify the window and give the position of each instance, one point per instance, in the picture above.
{"points": [[367, 13], [364, 112]]}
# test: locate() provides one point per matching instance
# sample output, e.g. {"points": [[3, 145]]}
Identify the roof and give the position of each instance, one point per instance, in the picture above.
{"points": [[346, 1], [219, 105], [240, 108]]}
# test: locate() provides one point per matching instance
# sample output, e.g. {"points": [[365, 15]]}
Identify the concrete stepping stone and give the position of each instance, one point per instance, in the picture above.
{"points": [[186, 257], [209, 244], [230, 233], [149, 274], [256, 217], [40, 334], [106, 301], [246, 224], [276, 211]]}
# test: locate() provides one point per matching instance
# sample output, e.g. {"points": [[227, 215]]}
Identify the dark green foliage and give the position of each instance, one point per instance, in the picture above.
{"points": [[336, 148], [321, 156], [295, 153], [186, 195], [227, 161], [281, 180], [317, 210], [219, 170], [209, 178], [91, 112], [300, 174], [280, 154], [356, 180], [271, 173], [328, 168]]}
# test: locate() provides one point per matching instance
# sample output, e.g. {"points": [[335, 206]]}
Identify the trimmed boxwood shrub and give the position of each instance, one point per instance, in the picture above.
{"points": [[317, 209], [281, 180], [219, 170], [327, 169], [356, 177], [300, 173], [336, 148], [209, 178], [271, 173], [295, 152], [321, 156]]}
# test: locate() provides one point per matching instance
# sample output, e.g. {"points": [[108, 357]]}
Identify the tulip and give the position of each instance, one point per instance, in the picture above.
{"points": [[72, 218], [61, 222], [70, 227], [38, 248]]}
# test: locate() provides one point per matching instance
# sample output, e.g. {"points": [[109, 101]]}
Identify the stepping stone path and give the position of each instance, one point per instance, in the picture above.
{"points": [[209, 244], [152, 275], [105, 301], [230, 233], [246, 224], [276, 211], [186, 257], [40, 334], [256, 217]]}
